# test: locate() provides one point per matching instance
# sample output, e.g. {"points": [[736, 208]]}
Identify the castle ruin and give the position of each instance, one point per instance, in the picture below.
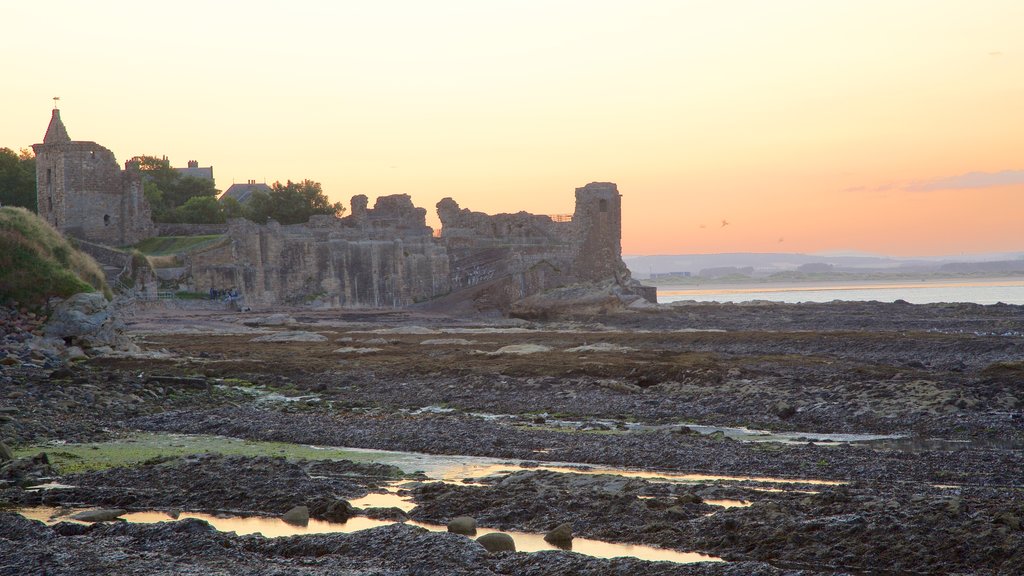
{"points": [[385, 256], [82, 191]]}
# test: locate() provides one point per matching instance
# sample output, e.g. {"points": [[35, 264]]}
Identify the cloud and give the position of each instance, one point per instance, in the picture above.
{"points": [[968, 181]]}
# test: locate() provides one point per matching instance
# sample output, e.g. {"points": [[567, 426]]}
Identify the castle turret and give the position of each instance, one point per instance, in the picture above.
{"points": [[56, 133], [82, 191], [598, 222]]}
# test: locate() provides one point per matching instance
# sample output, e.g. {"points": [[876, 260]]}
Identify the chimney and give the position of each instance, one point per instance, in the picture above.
{"points": [[193, 164]]}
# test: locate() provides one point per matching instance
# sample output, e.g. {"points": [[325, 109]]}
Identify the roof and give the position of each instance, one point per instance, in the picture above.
{"points": [[201, 173], [56, 133], [243, 192]]}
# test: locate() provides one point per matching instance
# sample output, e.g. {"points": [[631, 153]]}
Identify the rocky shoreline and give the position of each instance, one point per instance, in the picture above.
{"points": [[945, 498]]}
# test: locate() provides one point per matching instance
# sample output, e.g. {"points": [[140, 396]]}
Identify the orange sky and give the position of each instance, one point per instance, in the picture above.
{"points": [[892, 127]]}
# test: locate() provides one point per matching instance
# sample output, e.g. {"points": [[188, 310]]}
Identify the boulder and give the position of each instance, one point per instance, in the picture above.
{"points": [[98, 515], [391, 513], [464, 525], [561, 535], [5, 452], [339, 511], [87, 320], [298, 516], [497, 542]]}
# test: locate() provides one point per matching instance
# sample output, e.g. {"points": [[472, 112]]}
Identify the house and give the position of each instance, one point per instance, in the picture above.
{"points": [[195, 171], [243, 192]]}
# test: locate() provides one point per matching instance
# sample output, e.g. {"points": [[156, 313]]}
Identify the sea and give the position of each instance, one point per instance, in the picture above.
{"points": [[924, 292]]}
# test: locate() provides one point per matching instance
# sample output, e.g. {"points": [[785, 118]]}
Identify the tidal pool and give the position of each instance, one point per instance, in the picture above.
{"points": [[275, 528]]}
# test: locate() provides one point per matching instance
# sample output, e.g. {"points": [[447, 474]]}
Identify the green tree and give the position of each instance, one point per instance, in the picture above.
{"points": [[167, 190], [292, 203], [200, 210], [18, 178], [231, 208]]}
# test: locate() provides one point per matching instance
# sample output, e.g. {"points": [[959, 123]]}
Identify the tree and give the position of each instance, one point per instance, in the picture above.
{"points": [[167, 190], [18, 179], [231, 208], [200, 210], [291, 203]]}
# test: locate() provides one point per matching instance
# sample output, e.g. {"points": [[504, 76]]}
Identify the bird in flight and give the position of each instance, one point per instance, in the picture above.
{"points": [[725, 223]]}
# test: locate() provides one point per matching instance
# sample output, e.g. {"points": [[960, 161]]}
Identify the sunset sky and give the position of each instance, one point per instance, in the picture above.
{"points": [[891, 127]]}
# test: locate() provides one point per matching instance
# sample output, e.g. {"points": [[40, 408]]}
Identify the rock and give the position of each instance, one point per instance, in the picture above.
{"points": [[339, 511], [87, 320], [174, 513], [561, 535], [75, 353], [464, 525], [63, 372], [9, 361], [391, 513], [497, 542], [98, 515], [298, 516], [520, 349], [5, 452], [784, 410], [689, 498], [294, 336]]}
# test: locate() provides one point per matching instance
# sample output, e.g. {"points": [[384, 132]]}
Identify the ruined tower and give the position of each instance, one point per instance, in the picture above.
{"points": [[82, 191], [598, 223]]}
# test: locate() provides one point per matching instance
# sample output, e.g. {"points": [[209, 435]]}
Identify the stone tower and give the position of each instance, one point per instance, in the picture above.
{"points": [[82, 191], [598, 223]]}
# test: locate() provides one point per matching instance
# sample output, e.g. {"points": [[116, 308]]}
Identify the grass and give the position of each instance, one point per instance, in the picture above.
{"points": [[170, 245], [37, 262], [140, 447]]}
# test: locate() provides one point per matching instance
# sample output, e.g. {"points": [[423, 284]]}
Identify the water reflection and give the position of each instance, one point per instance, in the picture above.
{"points": [[389, 500], [506, 468], [274, 528]]}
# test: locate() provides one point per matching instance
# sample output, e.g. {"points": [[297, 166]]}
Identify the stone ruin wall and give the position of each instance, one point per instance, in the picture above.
{"points": [[85, 194], [388, 257], [384, 257]]}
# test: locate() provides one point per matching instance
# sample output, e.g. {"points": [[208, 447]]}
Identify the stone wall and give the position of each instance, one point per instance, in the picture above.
{"points": [[384, 257], [388, 257]]}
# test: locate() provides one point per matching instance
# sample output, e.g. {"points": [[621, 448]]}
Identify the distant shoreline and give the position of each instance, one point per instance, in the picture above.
{"points": [[762, 285]]}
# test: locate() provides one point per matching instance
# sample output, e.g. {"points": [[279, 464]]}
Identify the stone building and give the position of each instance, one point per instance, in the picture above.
{"points": [[83, 192]]}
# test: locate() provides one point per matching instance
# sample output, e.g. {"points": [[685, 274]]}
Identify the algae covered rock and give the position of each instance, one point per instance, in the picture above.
{"points": [[497, 542], [298, 516], [462, 525]]}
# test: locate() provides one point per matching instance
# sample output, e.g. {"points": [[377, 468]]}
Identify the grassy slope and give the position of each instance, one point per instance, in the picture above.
{"points": [[36, 262], [168, 245]]}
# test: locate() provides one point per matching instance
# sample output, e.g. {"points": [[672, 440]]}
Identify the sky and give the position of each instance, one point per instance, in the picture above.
{"points": [[890, 127]]}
